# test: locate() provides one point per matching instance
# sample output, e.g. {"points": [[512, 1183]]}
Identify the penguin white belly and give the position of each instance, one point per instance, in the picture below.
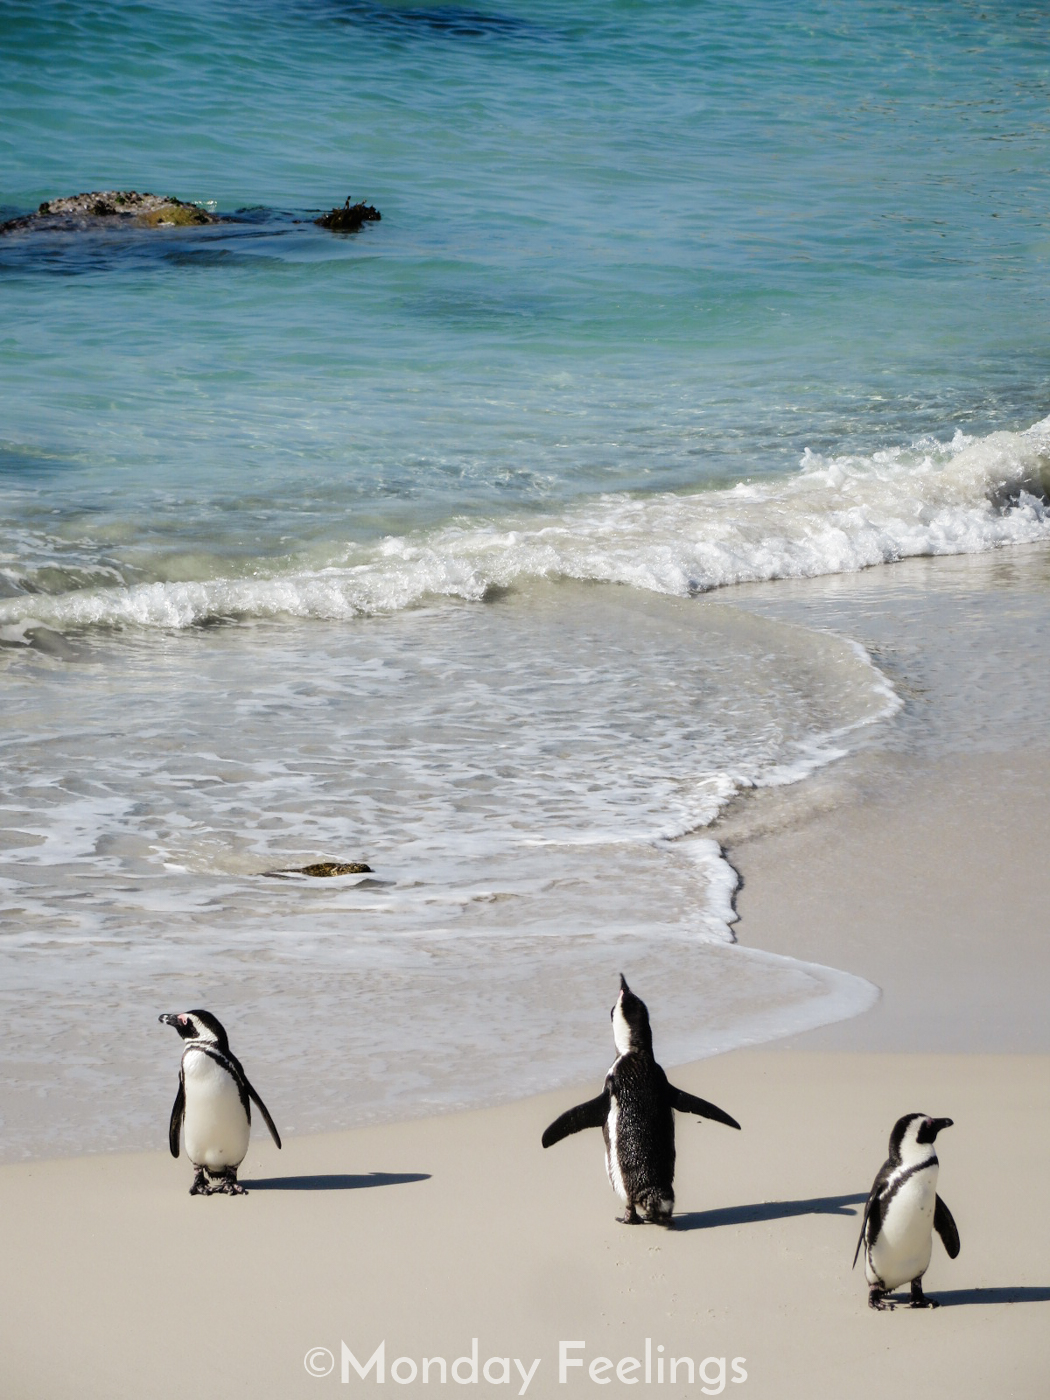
{"points": [[902, 1251], [612, 1157], [215, 1124]]}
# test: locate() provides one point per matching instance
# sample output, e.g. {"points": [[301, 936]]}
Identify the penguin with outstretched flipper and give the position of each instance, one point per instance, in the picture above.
{"points": [[635, 1112]]}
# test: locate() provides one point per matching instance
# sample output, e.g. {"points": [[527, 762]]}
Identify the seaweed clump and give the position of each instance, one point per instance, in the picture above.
{"points": [[322, 869], [349, 218]]}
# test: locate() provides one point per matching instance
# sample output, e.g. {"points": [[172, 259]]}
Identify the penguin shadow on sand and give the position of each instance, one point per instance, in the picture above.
{"points": [[336, 1182], [967, 1297], [766, 1210]]}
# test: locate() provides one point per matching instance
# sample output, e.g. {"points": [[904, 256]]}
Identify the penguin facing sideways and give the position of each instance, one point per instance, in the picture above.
{"points": [[212, 1105], [903, 1211], [635, 1112]]}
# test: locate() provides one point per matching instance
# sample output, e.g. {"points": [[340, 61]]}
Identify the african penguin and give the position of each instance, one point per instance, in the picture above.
{"points": [[635, 1114], [903, 1211], [212, 1104]]}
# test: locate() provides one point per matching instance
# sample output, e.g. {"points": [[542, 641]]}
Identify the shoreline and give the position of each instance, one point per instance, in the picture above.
{"points": [[857, 877]]}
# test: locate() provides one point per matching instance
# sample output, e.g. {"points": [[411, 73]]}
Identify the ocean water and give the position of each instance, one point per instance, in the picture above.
{"points": [[418, 546]]}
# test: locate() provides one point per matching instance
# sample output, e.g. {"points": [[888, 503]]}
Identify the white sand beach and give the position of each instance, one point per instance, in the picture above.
{"points": [[423, 1236]]}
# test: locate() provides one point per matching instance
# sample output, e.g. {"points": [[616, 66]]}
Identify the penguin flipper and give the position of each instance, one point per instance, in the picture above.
{"points": [[689, 1103], [178, 1108], [265, 1113], [585, 1115], [872, 1213], [860, 1239], [947, 1229]]}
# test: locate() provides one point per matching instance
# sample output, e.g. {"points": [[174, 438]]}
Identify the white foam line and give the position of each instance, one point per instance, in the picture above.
{"points": [[835, 515]]}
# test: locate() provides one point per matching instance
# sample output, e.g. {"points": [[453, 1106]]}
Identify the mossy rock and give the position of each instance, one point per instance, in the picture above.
{"points": [[178, 215], [322, 869], [119, 208]]}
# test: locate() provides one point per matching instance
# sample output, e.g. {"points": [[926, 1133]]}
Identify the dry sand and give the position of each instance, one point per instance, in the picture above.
{"points": [[425, 1235]]}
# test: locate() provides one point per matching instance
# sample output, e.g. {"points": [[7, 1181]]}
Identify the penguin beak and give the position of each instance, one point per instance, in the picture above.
{"points": [[167, 1019], [939, 1123], [623, 988]]}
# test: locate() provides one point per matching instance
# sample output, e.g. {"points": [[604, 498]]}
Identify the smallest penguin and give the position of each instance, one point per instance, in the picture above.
{"points": [[902, 1212], [212, 1104]]}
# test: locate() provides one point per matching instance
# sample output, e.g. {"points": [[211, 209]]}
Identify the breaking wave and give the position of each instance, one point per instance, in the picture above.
{"points": [[837, 514]]}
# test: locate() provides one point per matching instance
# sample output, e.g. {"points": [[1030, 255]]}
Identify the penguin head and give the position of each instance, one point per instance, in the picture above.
{"points": [[913, 1135], [630, 1020], [198, 1025]]}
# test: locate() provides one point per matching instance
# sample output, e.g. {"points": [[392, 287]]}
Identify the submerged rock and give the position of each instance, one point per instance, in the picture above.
{"points": [[335, 867], [118, 206], [82, 213], [321, 869], [349, 218]]}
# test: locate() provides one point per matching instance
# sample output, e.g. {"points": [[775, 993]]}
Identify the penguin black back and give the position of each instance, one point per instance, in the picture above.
{"points": [[635, 1113]]}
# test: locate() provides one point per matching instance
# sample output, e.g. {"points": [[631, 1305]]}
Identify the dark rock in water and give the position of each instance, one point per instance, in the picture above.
{"points": [[82, 213], [335, 867], [323, 868], [117, 207], [350, 218]]}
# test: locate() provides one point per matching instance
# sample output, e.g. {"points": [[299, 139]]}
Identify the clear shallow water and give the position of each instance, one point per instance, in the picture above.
{"points": [[299, 534], [529, 779]]}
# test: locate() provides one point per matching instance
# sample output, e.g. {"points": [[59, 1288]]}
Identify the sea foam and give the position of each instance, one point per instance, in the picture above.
{"points": [[836, 514]]}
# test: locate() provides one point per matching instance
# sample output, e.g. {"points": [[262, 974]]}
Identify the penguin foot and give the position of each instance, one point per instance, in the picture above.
{"points": [[919, 1298], [630, 1217], [877, 1300], [228, 1185], [225, 1184], [658, 1207]]}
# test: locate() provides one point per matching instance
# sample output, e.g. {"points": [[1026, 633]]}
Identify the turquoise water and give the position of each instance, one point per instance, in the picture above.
{"points": [[624, 247], [307, 541]]}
